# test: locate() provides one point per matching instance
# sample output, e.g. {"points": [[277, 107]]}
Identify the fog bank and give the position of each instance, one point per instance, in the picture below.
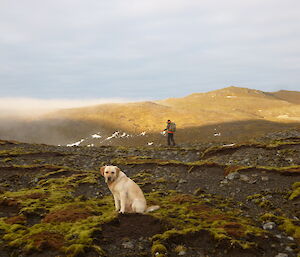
{"points": [[32, 107]]}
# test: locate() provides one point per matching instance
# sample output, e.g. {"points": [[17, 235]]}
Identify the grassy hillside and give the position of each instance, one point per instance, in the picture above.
{"points": [[225, 105]]}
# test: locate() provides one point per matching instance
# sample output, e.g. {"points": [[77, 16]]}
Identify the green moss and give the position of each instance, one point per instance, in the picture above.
{"points": [[188, 214], [5, 160], [295, 169], [77, 235], [54, 196], [74, 249], [161, 180], [290, 226], [296, 191], [158, 249], [137, 160]]}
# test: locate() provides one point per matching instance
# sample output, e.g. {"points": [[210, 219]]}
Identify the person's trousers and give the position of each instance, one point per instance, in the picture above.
{"points": [[171, 139]]}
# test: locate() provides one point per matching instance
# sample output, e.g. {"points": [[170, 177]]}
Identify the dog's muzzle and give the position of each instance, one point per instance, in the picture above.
{"points": [[108, 179]]}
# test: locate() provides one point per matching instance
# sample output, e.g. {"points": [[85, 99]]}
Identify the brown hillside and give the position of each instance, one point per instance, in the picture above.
{"points": [[194, 115], [289, 96], [225, 105]]}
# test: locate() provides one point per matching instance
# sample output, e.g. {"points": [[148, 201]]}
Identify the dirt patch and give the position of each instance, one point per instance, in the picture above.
{"points": [[89, 190], [129, 232], [70, 214], [15, 178], [47, 240], [16, 220], [33, 219], [203, 244], [9, 207], [131, 226]]}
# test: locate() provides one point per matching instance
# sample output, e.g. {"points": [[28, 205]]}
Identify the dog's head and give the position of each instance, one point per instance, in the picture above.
{"points": [[110, 173]]}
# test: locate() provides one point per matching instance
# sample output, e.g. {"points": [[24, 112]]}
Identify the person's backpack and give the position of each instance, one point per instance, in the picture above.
{"points": [[172, 127]]}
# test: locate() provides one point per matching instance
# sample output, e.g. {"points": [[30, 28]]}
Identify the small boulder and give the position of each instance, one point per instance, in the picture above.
{"points": [[265, 178], [128, 245], [244, 178], [269, 225], [233, 175], [281, 255]]}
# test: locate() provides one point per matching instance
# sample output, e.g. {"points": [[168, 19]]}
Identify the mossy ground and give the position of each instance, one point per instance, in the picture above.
{"points": [[60, 205]]}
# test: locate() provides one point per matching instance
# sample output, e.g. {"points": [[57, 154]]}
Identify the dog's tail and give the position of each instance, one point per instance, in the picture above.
{"points": [[152, 208]]}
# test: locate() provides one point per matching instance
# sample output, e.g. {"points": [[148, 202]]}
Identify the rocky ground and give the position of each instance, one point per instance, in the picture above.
{"points": [[221, 199]]}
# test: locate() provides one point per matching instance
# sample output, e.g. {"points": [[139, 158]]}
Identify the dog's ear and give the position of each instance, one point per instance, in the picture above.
{"points": [[117, 171], [102, 170]]}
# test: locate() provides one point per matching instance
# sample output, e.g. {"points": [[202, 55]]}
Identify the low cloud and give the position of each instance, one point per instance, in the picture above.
{"points": [[32, 107]]}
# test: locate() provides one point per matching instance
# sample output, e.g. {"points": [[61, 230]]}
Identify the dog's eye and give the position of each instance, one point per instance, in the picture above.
{"points": [[112, 172], [106, 172]]}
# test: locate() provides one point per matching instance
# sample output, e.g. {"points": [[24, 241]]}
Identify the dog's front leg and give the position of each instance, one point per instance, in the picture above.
{"points": [[123, 198], [117, 203]]}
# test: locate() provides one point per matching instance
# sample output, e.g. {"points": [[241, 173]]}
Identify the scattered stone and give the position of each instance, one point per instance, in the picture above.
{"points": [[265, 178], [269, 225], [182, 253], [289, 249], [181, 181], [290, 238], [281, 255], [232, 176], [244, 178], [252, 181], [128, 245], [224, 182]]}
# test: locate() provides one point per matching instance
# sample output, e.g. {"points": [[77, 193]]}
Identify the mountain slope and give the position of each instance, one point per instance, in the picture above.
{"points": [[200, 114], [225, 105], [289, 96]]}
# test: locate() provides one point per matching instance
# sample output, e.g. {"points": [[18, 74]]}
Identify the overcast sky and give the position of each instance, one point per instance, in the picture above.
{"points": [[146, 49]]}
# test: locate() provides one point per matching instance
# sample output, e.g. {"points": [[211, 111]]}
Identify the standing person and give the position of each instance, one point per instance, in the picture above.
{"points": [[171, 128]]}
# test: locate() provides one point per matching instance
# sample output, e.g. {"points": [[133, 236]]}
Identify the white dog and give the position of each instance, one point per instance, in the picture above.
{"points": [[127, 194]]}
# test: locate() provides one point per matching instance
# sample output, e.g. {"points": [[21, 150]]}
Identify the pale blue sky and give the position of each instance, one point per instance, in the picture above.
{"points": [[138, 49]]}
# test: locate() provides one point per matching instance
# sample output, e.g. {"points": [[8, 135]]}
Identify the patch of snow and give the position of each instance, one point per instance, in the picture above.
{"points": [[114, 135], [143, 133], [284, 116], [231, 96], [150, 143], [91, 145], [76, 143], [96, 136], [217, 134]]}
